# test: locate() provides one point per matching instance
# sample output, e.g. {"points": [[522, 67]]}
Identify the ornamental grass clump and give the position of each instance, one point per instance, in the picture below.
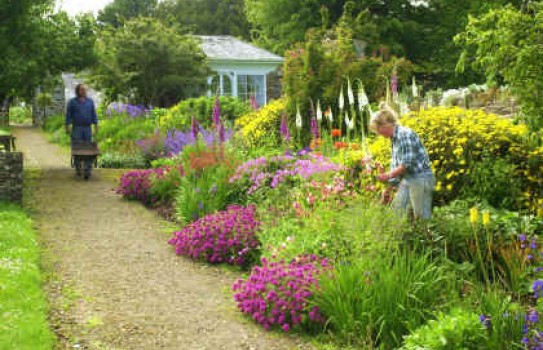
{"points": [[277, 294], [228, 236]]}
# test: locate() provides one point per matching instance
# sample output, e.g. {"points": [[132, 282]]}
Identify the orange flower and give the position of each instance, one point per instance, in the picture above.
{"points": [[339, 145], [354, 146], [319, 141], [336, 132]]}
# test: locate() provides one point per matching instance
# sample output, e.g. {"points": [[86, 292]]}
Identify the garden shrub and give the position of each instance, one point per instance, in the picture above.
{"points": [[277, 293], [379, 298], [494, 181], [261, 128], [457, 330], [228, 236], [354, 230], [179, 116], [257, 178], [114, 160], [203, 192], [20, 115], [151, 187], [456, 139]]}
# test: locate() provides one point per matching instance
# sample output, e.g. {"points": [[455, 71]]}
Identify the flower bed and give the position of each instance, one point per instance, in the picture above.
{"points": [[278, 294], [225, 237]]}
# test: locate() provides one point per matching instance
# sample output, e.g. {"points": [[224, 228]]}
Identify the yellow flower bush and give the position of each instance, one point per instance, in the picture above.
{"points": [[456, 138], [261, 128]]}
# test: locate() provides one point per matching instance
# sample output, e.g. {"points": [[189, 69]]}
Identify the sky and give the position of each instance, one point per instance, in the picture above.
{"points": [[73, 7]]}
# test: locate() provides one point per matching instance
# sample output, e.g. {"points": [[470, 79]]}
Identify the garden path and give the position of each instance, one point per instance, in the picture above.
{"points": [[115, 283]]}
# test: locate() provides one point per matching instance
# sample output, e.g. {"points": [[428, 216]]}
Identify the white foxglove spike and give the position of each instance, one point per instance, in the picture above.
{"points": [[341, 100], [319, 111], [362, 99], [415, 88], [350, 94], [298, 118]]}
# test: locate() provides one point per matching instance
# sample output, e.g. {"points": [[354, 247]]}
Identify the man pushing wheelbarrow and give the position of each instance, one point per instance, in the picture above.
{"points": [[80, 116]]}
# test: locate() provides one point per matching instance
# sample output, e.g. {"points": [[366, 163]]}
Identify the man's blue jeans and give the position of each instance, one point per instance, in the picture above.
{"points": [[82, 134], [416, 192]]}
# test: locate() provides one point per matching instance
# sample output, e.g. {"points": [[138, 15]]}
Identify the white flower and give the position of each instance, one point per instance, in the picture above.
{"points": [[349, 122], [298, 118], [404, 108], [290, 239], [323, 246], [415, 88], [341, 99], [362, 98], [319, 111], [330, 115], [350, 93]]}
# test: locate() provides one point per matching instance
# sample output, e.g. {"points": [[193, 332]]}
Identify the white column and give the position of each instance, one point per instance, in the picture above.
{"points": [[221, 84], [235, 84], [209, 82], [265, 89]]}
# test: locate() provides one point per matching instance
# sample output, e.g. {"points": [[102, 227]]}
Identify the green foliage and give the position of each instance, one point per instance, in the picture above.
{"points": [[205, 188], [207, 17], [506, 44], [494, 181], [360, 228], [23, 306], [118, 11], [116, 160], [165, 188], [456, 330], [151, 62], [37, 45], [179, 116], [380, 298], [20, 115]]}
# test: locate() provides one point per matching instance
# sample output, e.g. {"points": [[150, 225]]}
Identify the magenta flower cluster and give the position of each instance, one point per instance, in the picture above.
{"points": [[136, 184], [228, 236], [277, 294], [273, 171]]}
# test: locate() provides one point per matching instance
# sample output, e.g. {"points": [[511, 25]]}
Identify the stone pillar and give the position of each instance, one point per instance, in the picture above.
{"points": [[11, 177]]}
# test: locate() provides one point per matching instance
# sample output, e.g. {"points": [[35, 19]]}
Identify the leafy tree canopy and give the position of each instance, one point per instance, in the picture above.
{"points": [[149, 63], [207, 17], [118, 11]]}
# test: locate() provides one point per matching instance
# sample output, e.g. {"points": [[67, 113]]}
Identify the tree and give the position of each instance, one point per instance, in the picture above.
{"points": [[207, 17], [119, 11], [506, 44], [150, 63], [37, 45]]}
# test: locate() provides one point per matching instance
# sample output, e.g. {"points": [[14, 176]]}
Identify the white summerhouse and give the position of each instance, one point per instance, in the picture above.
{"points": [[241, 69]]}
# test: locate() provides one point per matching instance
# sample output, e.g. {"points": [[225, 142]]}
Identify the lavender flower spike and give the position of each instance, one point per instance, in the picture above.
{"points": [[216, 117], [284, 128]]}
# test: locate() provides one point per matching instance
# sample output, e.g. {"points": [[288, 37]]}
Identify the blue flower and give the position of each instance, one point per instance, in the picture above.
{"points": [[537, 288], [532, 316], [533, 244], [522, 237]]}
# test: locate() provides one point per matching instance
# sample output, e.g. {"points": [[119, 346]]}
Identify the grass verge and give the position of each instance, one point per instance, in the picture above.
{"points": [[23, 306]]}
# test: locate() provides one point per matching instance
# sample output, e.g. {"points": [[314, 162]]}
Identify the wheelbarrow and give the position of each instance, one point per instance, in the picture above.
{"points": [[85, 152]]}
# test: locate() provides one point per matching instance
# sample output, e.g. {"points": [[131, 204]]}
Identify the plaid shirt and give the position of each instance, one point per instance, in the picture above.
{"points": [[408, 150]]}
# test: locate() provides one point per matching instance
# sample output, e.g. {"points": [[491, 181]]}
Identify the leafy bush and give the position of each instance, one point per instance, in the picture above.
{"points": [[495, 182], [278, 294], [360, 228], [378, 299], [114, 160], [458, 329], [224, 237], [456, 139], [202, 192], [20, 115], [262, 128], [151, 187], [179, 116]]}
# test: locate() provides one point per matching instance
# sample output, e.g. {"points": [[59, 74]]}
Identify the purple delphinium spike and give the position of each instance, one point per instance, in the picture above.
{"points": [[314, 128], [216, 117], [284, 128], [394, 85], [195, 127], [222, 133]]}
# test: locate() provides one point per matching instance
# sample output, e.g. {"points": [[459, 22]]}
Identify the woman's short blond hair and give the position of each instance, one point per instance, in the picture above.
{"points": [[385, 116]]}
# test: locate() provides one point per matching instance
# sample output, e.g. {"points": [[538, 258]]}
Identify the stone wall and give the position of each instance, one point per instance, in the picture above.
{"points": [[11, 177]]}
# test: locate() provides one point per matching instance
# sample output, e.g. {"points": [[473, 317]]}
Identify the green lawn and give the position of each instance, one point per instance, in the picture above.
{"points": [[23, 307]]}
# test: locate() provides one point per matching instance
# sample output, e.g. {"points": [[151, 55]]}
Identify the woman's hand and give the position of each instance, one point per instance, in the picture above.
{"points": [[384, 177]]}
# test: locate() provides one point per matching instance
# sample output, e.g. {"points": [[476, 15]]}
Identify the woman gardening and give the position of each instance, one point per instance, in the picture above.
{"points": [[410, 167]]}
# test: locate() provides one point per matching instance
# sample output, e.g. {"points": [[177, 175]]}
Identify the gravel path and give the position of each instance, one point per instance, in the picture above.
{"points": [[115, 283]]}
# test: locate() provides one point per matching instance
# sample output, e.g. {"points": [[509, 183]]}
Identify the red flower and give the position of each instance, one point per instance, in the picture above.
{"points": [[336, 132]]}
